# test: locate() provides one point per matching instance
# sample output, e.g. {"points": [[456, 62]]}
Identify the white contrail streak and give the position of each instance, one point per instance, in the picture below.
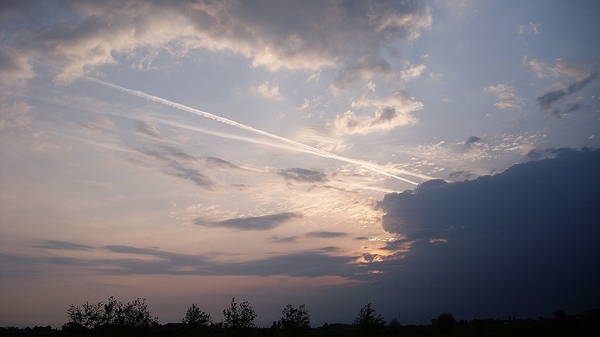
{"points": [[297, 145]]}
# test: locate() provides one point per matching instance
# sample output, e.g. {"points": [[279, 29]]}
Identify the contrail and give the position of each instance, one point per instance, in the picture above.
{"points": [[296, 145]]}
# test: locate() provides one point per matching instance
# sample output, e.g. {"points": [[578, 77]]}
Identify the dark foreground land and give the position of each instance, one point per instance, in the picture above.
{"points": [[530, 329]]}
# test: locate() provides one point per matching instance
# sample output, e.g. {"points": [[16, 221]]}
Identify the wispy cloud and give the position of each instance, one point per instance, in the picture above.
{"points": [[408, 104], [283, 239], [63, 245], [255, 223], [326, 234], [149, 130], [561, 69], [303, 175], [507, 99], [214, 162], [302, 264], [548, 100], [532, 28]]}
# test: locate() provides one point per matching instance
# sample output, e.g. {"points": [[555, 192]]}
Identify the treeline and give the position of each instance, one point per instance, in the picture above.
{"points": [[133, 319], [115, 318]]}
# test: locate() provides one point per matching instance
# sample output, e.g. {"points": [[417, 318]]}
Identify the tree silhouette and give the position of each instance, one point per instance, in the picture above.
{"points": [[239, 317], [395, 326], [294, 321], [196, 321], [446, 322], [367, 321], [112, 318], [559, 316]]}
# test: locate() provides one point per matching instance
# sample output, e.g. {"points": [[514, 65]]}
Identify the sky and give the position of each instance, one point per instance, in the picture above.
{"points": [[422, 156]]}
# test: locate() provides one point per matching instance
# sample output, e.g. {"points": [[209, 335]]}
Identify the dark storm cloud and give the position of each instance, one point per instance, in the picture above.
{"points": [[547, 100], [519, 242], [256, 223], [535, 153], [326, 234], [62, 245], [303, 175]]}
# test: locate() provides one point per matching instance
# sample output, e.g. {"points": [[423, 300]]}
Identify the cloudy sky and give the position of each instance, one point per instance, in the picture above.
{"points": [[424, 156]]}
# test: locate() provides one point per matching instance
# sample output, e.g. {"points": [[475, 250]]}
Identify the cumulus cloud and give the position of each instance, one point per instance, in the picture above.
{"points": [[268, 91], [500, 239], [391, 112], [507, 99], [257, 223], [285, 34], [412, 72]]}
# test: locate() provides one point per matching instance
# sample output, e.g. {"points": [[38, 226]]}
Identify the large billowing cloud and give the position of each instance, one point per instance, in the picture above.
{"points": [[282, 34], [522, 241]]}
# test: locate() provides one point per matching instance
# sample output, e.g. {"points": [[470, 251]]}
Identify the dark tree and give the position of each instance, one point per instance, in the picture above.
{"points": [[367, 321], [86, 317], [560, 316], [239, 317], [395, 326], [196, 321], [294, 321], [446, 322], [112, 318], [480, 324]]}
